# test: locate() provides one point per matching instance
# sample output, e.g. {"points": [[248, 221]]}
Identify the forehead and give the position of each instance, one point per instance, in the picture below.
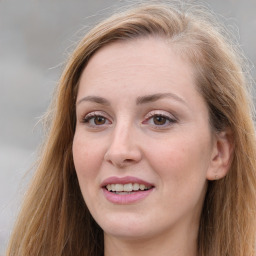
{"points": [[144, 61], [146, 50]]}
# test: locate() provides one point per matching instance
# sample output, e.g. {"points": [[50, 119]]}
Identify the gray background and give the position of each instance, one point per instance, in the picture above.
{"points": [[35, 39]]}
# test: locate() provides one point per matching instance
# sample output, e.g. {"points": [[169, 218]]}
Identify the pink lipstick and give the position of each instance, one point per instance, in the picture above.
{"points": [[126, 190]]}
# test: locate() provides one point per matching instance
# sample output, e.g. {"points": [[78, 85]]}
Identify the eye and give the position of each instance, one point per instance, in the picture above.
{"points": [[159, 120], [95, 119]]}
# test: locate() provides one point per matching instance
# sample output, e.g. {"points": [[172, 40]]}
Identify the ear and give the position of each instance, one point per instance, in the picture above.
{"points": [[221, 155]]}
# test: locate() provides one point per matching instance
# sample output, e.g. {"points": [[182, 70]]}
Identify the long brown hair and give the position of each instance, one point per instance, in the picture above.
{"points": [[54, 219]]}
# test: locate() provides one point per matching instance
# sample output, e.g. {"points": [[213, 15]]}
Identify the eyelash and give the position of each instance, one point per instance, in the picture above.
{"points": [[150, 116]]}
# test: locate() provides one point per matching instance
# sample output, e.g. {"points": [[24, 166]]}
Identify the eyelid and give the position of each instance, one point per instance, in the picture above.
{"points": [[160, 113], [96, 113]]}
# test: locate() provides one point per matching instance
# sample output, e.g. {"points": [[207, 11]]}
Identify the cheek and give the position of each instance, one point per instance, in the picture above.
{"points": [[181, 161], [86, 159]]}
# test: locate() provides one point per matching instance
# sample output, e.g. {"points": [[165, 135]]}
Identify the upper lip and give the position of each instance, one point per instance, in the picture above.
{"points": [[125, 180]]}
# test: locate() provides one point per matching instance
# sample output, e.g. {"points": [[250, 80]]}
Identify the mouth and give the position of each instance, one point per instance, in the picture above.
{"points": [[128, 188]]}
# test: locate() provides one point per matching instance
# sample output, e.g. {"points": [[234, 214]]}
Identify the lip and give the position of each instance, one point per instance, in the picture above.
{"points": [[125, 198]]}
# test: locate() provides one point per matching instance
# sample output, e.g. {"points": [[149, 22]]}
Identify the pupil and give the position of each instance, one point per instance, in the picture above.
{"points": [[99, 120], [159, 120]]}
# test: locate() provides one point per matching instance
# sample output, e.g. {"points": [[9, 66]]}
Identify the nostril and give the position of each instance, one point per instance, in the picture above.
{"points": [[128, 160]]}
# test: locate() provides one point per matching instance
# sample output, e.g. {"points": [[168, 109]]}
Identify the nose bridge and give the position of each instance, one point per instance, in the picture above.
{"points": [[122, 134], [123, 147], [122, 138]]}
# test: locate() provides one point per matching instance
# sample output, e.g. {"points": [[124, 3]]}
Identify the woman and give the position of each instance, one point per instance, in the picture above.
{"points": [[151, 148]]}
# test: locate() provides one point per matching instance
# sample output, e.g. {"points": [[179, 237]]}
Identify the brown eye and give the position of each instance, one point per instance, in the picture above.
{"points": [[99, 120], [159, 120], [95, 120]]}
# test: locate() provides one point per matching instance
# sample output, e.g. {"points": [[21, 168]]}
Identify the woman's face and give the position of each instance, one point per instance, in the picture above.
{"points": [[143, 146]]}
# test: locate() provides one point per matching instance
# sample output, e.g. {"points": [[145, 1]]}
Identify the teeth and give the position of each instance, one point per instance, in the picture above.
{"points": [[119, 187], [142, 186], [136, 186], [126, 187]]}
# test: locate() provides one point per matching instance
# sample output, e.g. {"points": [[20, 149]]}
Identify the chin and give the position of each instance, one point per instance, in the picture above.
{"points": [[125, 227], [131, 234]]}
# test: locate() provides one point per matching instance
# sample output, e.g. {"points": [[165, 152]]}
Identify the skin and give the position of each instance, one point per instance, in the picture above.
{"points": [[177, 154]]}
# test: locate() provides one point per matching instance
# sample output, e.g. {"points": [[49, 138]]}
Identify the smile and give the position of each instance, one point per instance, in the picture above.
{"points": [[127, 188]]}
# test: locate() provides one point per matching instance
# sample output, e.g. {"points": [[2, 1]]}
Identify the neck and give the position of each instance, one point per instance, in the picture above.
{"points": [[175, 244]]}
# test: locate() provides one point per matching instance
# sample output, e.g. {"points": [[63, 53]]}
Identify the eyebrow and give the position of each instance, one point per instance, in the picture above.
{"points": [[158, 96], [95, 99], [140, 100]]}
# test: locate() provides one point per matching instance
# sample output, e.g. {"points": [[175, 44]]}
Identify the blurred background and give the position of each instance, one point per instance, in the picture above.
{"points": [[35, 40]]}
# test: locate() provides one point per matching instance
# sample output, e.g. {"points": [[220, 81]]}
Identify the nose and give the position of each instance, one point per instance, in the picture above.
{"points": [[123, 148]]}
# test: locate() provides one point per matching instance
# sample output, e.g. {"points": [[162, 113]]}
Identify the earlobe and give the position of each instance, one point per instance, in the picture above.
{"points": [[221, 155]]}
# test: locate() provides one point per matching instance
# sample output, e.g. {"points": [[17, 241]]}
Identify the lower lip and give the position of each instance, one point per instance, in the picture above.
{"points": [[127, 198]]}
